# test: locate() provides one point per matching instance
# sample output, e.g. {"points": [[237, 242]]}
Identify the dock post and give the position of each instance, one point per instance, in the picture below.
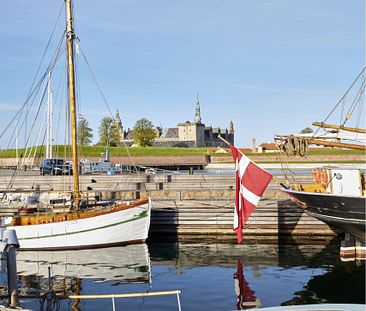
{"points": [[348, 248], [10, 244]]}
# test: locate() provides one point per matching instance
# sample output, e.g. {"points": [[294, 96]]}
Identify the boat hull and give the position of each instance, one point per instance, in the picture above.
{"points": [[127, 226], [346, 213]]}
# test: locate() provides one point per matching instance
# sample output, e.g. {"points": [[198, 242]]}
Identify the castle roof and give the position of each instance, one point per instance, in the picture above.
{"points": [[171, 132]]}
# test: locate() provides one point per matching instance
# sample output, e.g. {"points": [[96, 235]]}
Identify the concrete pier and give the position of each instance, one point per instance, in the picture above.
{"points": [[187, 206]]}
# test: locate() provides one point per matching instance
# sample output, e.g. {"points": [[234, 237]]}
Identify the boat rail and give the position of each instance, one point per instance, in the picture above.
{"points": [[129, 295]]}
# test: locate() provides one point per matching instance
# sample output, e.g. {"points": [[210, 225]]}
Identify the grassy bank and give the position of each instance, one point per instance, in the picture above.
{"points": [[95, 151]]}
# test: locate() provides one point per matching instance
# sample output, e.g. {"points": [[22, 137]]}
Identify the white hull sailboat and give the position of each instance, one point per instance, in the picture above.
{"points": [[122, 224], [79, 225]]}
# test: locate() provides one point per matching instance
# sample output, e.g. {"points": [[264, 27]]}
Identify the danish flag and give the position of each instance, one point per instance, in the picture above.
{"points": [[251, 182]]}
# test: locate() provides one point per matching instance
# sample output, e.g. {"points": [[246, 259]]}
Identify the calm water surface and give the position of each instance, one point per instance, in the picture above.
{"points": [[211, 276]]}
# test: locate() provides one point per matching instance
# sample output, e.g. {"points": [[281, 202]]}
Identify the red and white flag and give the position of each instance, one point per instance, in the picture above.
{"points": [[251, 181]]}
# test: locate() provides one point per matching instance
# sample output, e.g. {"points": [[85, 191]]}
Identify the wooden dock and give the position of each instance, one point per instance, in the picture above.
{"points": [[188, 206]]}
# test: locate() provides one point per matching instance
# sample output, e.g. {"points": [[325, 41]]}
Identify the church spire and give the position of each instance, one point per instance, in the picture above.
{"points": [[231, 127], [197, 116]]}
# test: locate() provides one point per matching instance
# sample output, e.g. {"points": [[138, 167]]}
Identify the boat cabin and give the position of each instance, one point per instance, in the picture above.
{"points": [[338, 180]]}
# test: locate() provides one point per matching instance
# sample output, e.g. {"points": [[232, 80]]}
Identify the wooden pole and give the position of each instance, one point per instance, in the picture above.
{"points": [[72, 100], [12, 277], [338, 127], [273, 177], [325, 143]]}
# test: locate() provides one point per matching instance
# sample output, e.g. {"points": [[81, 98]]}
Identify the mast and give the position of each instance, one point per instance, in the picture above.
{"points": [[49, 119], [325, 143], [71, 80]]}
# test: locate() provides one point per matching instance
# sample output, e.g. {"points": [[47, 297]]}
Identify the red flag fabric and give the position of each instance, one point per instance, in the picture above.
{"points": [[251, 182], [246, 298]]}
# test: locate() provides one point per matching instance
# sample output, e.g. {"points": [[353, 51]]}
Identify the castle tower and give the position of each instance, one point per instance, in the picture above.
{"points": [[231, 132], [231, 127], [119, 126], [197, 116]]}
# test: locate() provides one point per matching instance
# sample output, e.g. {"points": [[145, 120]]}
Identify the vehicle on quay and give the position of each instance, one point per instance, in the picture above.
{"points": [[55, 166]]}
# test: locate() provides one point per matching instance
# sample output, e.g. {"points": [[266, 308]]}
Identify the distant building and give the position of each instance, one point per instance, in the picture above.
{"points": [[186, 134], [268, 147]]}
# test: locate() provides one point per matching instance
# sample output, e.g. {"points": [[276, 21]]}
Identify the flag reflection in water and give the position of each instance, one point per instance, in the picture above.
{"points": [[246, 298]]}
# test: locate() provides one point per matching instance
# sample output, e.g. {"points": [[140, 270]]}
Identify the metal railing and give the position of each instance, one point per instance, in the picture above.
{"points": [[130, 295]]}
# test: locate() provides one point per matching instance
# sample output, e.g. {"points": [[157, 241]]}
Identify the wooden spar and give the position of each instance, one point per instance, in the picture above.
{"points": [[337, 127], [273, 177], [71, 80], [320, 142]]}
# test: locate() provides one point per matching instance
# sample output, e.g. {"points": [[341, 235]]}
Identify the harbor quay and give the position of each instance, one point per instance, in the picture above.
{"points": [[188, 206]]}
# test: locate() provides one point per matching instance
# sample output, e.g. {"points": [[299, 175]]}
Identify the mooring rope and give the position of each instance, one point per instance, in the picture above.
{"points": [[294, 145]]}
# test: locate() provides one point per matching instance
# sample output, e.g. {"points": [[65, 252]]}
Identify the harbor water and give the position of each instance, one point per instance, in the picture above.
{"points": [[211, 276]]}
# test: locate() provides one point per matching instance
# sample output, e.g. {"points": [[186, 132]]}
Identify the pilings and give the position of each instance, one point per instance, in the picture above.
{"points": [[352, 248], [9, 245]]}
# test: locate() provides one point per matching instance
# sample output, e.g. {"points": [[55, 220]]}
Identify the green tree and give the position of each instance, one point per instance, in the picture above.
{"points": [[143, 133], [85, 133], [108, 133], [306, 130]]}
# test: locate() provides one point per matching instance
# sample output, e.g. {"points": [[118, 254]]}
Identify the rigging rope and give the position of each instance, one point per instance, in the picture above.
{"points": [[343, 98], [105, 102]]}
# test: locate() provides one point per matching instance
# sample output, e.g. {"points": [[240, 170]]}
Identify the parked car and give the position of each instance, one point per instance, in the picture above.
{"points": [[55, 167]]}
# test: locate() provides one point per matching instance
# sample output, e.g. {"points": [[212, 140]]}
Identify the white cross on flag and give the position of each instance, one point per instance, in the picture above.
{"points": [[251, 181]]}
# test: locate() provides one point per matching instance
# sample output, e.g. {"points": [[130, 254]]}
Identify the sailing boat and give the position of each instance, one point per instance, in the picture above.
{"points": [[81, 225], [337, 194]]}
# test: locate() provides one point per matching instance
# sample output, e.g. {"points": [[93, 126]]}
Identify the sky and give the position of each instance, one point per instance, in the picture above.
{"points": [[269, 66]]}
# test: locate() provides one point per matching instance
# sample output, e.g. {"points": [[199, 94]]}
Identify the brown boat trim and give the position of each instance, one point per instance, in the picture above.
{"points": [[74, 215]]}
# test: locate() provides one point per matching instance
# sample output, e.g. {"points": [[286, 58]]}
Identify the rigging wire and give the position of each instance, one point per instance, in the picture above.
{"points": [[342, 98], [33, 86], [25, 109], [355, 103], [105, 100]]}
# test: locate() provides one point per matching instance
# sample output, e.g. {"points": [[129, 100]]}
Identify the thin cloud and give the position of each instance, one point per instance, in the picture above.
{"points": [[9, 107]]}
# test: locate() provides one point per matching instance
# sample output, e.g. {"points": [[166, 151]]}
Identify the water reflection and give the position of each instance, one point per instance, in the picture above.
{"points": [[343, 283], [264, 274], [246, 298], [118, 265], [212, 276]]}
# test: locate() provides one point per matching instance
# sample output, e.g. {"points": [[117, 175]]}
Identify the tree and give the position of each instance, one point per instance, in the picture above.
{"points": [[84, 132], [108, 132], [306, 130], [143, 133]]}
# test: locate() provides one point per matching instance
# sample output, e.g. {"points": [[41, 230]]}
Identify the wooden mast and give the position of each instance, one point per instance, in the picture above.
{"points": [[337, 127], [71, 85]]}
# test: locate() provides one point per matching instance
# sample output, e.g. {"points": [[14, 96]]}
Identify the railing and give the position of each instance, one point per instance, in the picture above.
{"points": [[130, 295]]}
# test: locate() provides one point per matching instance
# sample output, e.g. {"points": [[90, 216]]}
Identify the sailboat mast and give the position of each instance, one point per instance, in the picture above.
{"points": [[49, 119], [71, 81]]}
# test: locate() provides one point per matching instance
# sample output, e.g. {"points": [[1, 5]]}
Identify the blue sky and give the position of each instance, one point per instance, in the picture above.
{"points": [[271, 66]]}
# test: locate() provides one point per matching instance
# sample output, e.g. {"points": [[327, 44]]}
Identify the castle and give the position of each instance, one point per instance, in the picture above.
{"points": [[187, 134]]}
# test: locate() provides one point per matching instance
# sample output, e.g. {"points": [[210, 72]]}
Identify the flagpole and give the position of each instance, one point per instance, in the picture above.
{"points": [[273, 177]]}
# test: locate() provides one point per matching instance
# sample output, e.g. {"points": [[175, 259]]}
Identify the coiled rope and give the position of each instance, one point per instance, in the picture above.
{"points": [[294, 145]]}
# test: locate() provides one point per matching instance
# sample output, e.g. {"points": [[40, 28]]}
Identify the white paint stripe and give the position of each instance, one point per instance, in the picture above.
{"points": [[243, 164], [249, 196]]}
